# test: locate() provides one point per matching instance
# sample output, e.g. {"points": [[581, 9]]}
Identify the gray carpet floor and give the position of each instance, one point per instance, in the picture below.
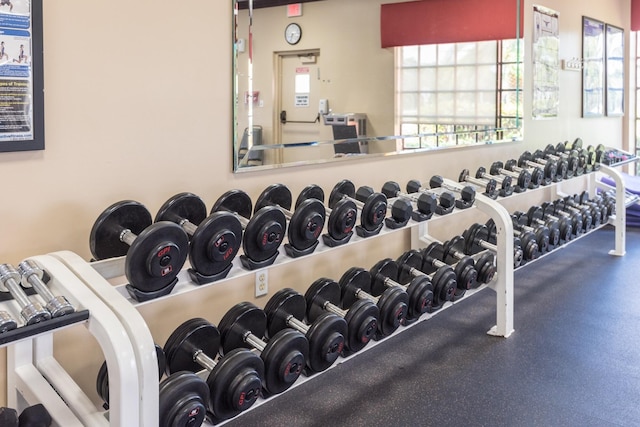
{"points": [[573, 360]]}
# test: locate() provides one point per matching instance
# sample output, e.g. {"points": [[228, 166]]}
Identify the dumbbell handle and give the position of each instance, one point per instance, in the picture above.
{"points": [[254, 341], [389, 282], [127, 236], [31, 272], [332, 308], [486, 245], [203, 360], [417, 273], [358, 203], [534, 163], [360, 294], [498, 178], [475, 181], [27, 272], [188, 226], [296, 324], [9, 277], [507, 172]]}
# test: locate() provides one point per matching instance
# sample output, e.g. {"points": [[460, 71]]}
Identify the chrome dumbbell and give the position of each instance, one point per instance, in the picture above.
{"points": [[32, 276], [31, 311]]}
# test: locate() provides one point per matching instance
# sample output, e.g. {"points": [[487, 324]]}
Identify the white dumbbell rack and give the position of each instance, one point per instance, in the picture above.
{"points": [[35, 376]]}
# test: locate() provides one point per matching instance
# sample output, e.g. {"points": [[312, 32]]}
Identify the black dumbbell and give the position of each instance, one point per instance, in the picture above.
{"points": [[215, 239], [34, 416], [384, 274], [182, 399], [467, 193], [284, 355], [324, 295], [490, 186], [341, 220], [537, 174], [355, 284], [545, 239], [477, 239], [32, 276], [561, 205], [599, 207], [528, 240], [549, 168], [443, 280], [571, 158], [372, 212], [523, 177], [263, 232], [400, 209], [8, 417], [305, 223], [536, 216], [582, 202], [466, 274], [426, 203], [446, 199], [155, 252], [234, 381], [485, 265], [505, 182], [549, 211], [326, 334], [562, 165], [32, 312]]}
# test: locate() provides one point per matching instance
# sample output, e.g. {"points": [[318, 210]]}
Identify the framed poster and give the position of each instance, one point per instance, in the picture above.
{"points": [[21, 76], [546, 63], [592, 67], [615, 70]]}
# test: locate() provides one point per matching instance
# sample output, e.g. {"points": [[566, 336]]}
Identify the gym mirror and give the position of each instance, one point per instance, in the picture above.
{"points": [[347, 81]]}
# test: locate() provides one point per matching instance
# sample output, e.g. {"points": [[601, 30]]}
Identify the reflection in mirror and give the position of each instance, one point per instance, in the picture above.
{"points": [[365, 85]]}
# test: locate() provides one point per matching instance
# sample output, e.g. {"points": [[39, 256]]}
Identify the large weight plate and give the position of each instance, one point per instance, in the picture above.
{"points": [[311, 191], [340, 190], [393, 305], [285, 356], [306, 224], [342, 219], [420, 291], [182, 400], [407, 261], [156, 256], [320, 292], [362, 324], [384, 269], [326, 337], [104, 239], [353, 280], [236, 201], [373, 212], [282, 305], [215, 243], [242, 317], [193, 335], [275, 194], [264, 233], [183, 206]]}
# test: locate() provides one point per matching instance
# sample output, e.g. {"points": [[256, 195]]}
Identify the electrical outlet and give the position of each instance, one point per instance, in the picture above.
{"points": [[262, 283]]}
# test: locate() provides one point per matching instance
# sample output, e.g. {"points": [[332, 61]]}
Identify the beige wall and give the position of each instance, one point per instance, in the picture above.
{"points": [[138, 106]]}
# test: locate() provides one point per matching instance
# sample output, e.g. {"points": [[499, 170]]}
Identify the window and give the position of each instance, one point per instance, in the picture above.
{"points": [[457, 93]]}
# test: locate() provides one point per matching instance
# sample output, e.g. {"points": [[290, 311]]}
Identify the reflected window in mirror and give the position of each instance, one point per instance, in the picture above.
{"points": [[458, 93]]}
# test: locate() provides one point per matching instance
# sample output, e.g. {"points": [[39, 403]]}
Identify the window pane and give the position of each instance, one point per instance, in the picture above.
{"points": [[428, 55], [409, 104], [509, 50], [428, 106], [445, 102], [409, 80], [466, 78], [409, 56], [466, 53], [486, 77], [446, 54], [428, 79], [510, 76], [488, 52], [446, 78]]}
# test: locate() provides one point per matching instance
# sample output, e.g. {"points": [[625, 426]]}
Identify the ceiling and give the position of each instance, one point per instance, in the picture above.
{"points": [[257, 4]]}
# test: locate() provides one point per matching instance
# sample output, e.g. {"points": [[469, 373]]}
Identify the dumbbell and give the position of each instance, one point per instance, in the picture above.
{"points": [[587, 219], [528, 240], [467, 193], [384, 274], [341, 220], [466, 274], [326, 334], [562, 165], [7, 322], [490, 186], [400, 209], [536, 216], [477, 239], [537, 175], [8, 417], [155, 252], [355, 284], [549, 168], [182, 399], [263, 232], [324, 295], [505, 182], [545, 239], [549, 211], [443, 280], [426, 203], [305, 223], [599, 207], [485, 265], [446, 199], [31, 275], [215, 239], [234, 381], [523, 177], [284, 355], [372, 212], [571, 158], [31, 312], [581, 202], [34, 416]]}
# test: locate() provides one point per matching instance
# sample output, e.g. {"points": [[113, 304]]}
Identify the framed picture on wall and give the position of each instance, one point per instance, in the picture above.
{"points": [[21, 76], [593, 67], [615, 70]]}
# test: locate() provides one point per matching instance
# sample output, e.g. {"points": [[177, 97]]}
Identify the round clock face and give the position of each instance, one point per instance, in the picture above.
{"points": [[293, 33]]}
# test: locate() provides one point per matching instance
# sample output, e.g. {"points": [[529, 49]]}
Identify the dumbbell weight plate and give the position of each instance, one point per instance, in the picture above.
{"points": [[361, 318], [183, 206], [264, 233], [311, 191], [342, 219], [182, 398], [341, 189], [236, 201], [464, 275], [104, 240]]}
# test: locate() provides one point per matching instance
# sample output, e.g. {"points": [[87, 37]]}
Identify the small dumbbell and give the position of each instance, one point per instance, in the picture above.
{"points": [[419, 290], [341, 219], [8, 417], [549, 210], [355, 284], [536, 216], [599, 208], [587, 220], [326, 334], [305, 223], [562, 165], [467, 193], [234, 380], [284, 355], [32, 276], [537, 175], [34, 416], [31, 311], [372, 212], [446, 199], [426, 203], [324, 295], [400, 209], [549, 168], [542, 233], [528, 240], [466, 274], [443, 279], [477, 239], [7, 322], [155, 252], [582, 203], [490, 186], [571, 158], [485, 265], [523, 177], [505, 182], [263, 232], [215, 239]]}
